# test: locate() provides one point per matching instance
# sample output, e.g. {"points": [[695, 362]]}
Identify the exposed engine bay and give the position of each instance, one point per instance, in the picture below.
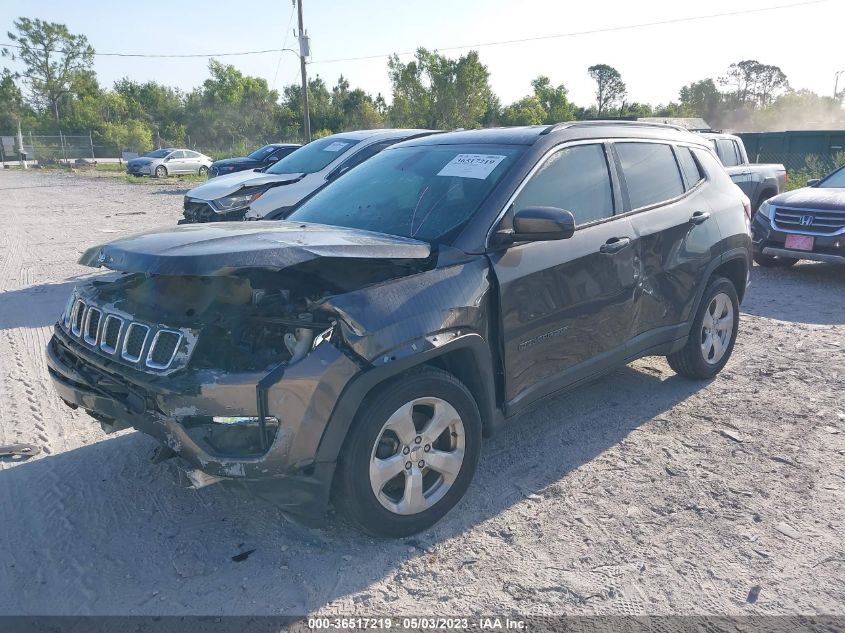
{"points": [[251, 320]]}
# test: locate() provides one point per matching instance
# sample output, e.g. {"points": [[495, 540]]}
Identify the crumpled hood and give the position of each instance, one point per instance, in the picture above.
{"points": [[222, 248], [228, 184], [820, 198]]}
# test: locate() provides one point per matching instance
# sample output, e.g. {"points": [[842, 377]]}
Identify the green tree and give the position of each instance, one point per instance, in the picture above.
{"points": [[610, 89], [160, 106], [51, 56], [755, 84], [527, 111], [700, 98], [230, 108], [554, 100], [12, 106], [434, 91]]}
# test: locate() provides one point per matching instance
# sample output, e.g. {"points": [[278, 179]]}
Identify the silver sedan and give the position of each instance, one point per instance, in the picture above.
{"points": [[168, 161]]}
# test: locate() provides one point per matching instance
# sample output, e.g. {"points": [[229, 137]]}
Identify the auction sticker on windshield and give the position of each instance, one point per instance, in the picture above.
{"points": [[335, 147], [471, 165]]}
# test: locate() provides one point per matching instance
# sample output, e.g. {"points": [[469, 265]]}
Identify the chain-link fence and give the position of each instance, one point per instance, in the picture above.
{"points": [[51, 149]]}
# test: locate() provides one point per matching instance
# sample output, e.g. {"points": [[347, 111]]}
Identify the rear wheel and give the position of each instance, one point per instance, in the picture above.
{"points": [[410, 455], [711, 340], [161, 171], [774, 261], [203, 170]]}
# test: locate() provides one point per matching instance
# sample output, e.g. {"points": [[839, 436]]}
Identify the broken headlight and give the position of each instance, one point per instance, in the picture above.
{"points": [[238, 200]]}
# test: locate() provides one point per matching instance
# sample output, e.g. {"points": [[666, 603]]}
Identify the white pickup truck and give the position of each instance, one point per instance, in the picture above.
{"points": [[758, 181]]}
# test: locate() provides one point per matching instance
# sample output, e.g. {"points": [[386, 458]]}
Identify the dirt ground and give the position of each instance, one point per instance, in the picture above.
{"points": [[642, 493]]}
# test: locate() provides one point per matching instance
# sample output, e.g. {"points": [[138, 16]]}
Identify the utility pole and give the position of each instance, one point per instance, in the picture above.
{"points": [[304, 51], [836, 85]]}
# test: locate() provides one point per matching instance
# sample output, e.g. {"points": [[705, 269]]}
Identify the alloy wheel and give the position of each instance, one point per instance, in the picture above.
{"points": [[717, 328], [417, 456]]}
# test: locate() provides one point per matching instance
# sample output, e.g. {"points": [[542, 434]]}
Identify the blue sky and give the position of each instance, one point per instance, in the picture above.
{"points": [[655, 61]]}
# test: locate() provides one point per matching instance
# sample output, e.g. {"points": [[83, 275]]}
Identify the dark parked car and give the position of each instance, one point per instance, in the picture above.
{"points": [[259, 159], [807, 223], [360, 350]]}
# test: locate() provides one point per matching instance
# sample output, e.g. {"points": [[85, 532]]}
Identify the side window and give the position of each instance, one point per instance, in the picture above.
{"points": [[279, 154], [689, 168], [189, 154], [739, 160], [365, 154], [577, 179], [650, 172], [178, 155], [726, 149]]}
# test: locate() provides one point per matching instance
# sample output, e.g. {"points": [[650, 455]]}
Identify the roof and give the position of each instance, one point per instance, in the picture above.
{"points": [[529, 135], [360, 135], [689, 123]]}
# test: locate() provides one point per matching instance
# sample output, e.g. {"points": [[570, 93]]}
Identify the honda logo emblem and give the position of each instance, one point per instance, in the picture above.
{"points": [[806, 220]]}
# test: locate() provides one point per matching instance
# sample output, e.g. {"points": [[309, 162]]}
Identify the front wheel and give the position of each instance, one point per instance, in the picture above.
{"points": [[713, 333], [774, 261], [203, 170], [161, 171], [410, 455]]}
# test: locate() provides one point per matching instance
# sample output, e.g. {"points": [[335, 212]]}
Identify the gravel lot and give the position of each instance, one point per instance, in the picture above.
{"points": [[642, 493]]}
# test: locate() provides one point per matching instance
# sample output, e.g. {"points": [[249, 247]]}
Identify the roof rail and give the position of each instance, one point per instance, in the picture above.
{"points": [[568, 124]]}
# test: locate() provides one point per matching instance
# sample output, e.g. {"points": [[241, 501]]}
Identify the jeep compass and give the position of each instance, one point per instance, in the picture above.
{"points": [[358, 352]]}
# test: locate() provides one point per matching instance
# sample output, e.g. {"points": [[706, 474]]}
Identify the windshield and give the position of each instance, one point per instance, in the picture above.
{"points": [[159, 153], [427, 193], [262, 152], [836, 180], [314, 156]]}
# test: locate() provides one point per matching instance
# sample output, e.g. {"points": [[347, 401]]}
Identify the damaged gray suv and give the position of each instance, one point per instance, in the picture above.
{"points": [[358, 352]]}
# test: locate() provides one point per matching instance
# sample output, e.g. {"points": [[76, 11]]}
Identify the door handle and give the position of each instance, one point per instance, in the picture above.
{"points": [[699, 217], [614, 245]]}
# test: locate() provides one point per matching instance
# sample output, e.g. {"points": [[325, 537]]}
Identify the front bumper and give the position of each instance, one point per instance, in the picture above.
{"points": [[199, 211], [139, 170], [178, 412], [768, 240]]}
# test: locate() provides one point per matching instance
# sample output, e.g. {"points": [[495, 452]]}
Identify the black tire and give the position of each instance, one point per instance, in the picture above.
{"points": [[161, 171], [772, 261], [690, 360], [203, 170], [353, 493]]}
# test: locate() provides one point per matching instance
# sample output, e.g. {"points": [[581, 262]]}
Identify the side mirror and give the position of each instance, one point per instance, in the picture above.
{"points": [[813, 182], [539, 224]]}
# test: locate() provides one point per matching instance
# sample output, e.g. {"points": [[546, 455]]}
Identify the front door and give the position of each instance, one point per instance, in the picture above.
{"points": [[567, 306]]}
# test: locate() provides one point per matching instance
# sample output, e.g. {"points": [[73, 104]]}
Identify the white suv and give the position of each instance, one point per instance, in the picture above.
{"points": [[278, 188]]}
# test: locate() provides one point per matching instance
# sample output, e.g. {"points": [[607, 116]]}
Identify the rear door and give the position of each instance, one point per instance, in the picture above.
{"points": [[665, 189], [193, 160], [175, 163], [567, 305]]}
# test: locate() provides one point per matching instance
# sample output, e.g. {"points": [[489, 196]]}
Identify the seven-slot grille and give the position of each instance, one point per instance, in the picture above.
{"points": [[132, 342], [111, 334], [814, 221]]}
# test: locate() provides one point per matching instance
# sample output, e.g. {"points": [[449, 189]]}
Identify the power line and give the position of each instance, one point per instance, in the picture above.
{"points": [[610, 29], [284, 44], [537, 38]]}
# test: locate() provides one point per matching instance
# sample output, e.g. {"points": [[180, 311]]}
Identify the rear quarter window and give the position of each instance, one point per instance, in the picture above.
{"points": [[650, 172], [689, 167]]}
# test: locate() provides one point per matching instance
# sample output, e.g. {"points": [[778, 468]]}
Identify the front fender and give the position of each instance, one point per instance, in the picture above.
{"points": [[400, 360]]}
